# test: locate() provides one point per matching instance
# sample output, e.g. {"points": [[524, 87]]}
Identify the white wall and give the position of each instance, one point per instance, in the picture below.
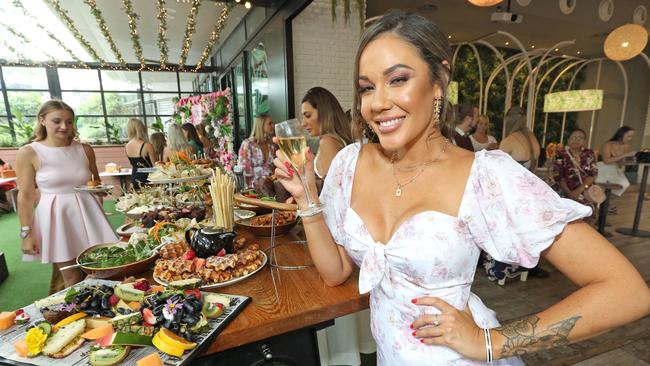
{"points": [[323, 51]]}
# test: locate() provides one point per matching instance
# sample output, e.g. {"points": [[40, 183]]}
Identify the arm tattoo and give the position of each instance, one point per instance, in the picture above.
{"points": [[522, 335]]}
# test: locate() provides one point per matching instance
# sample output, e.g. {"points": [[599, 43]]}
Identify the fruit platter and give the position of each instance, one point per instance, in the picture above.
{"points": [[102, 323]]}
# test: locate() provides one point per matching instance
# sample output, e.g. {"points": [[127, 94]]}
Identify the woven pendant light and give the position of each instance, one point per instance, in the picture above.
{"points": [[625, 42], [484, 3]]}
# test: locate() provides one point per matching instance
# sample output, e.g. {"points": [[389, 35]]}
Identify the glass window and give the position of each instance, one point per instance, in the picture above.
{"points": [[25, 77], [78, 79], [159, 81], [91, 129], [240, 101], [152, 119], [84, 103], [236, 39], [120, 80], [5, 134], [123, 103], [117, 129], [3, 110], [159, 103], [254, 19], [26, 102], [187, 78], [258, 71]]}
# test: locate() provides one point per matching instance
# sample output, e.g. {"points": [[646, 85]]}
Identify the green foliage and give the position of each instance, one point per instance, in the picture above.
{"points": [[114, 133], [24, 131], [158, 125], [467, 75]]}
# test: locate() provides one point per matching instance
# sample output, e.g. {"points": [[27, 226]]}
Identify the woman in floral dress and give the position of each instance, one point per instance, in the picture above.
{"points": [[413, 211], [575, 168], [256, 152]]}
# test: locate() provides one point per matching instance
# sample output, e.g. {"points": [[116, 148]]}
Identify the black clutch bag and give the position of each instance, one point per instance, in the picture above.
{"points": [[643, 157]]}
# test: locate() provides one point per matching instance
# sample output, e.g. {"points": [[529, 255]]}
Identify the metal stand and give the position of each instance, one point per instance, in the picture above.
{"points": [[634, 231]]}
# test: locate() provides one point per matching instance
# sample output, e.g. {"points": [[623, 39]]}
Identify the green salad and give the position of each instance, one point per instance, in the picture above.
{"points": [[118, 255]]}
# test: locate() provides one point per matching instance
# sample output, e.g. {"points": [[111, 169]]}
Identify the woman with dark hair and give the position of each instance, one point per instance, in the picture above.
{"points": [[159, 143], [612, 154], [413, 212], [323, 116], [193, 139], [574, 168], [65, 222]]}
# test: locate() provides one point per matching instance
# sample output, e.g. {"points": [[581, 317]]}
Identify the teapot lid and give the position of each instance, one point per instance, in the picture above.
{"points": [[211, 230]]}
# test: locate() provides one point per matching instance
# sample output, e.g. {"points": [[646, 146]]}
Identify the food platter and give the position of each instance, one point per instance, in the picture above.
{"points": [[97, 189], [225, 283], [179, 180], [81, 356], [266, 230], [241, 214]]}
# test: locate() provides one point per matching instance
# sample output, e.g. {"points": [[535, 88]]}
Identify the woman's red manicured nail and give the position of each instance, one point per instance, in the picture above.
{"points": [[413, 334], [421, 340], [415, 301], [287, 165], [411, 326]]}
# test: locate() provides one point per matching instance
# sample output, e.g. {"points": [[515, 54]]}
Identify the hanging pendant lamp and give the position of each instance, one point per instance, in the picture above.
{"points": [[625, 42], [484, 3]]}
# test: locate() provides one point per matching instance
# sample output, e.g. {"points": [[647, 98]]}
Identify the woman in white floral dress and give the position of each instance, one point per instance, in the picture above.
{"points": [[413, 211]]}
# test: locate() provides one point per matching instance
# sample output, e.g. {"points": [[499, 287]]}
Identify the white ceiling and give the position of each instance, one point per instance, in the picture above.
{"points": [[117, 22], [543, 26]]}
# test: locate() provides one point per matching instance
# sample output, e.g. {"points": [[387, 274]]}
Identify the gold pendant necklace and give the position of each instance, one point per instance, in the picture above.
{"points": [[398, 191]]}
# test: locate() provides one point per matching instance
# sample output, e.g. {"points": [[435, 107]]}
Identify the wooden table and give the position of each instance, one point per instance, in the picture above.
{"points": [[634, 230], [302, 301]]}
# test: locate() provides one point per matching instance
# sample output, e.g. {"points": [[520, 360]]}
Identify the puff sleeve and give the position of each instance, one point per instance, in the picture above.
{"points": [[512, 214]]}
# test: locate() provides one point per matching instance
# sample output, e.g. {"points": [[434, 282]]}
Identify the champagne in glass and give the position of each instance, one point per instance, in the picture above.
{"points": [[294, 148], [292, 139]]}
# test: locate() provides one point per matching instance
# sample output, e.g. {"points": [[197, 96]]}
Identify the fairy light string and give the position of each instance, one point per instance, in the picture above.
{"points": [[25, 41], [103, 27], [162, 33], [20, 6], [127, 6], [215, 35], [69, 23], [190, 28]]}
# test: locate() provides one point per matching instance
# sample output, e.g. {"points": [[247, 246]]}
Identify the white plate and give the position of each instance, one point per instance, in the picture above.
{"points": [[243, 214], [226, 283], [179, 180], [128, 229], [99, 188]]}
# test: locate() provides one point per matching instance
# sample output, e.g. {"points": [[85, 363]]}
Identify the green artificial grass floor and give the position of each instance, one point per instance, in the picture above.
{"points": [[29, 281]]}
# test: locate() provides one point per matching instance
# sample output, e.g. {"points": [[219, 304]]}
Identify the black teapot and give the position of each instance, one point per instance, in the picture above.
{"points": [[209, 241]]}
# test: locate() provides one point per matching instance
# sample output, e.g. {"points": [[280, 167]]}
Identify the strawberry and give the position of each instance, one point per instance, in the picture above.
{"points": [[190, 254], [221, 253], [149, 318], [195, 291], [250, 195], [113, 300], [199, 263]]}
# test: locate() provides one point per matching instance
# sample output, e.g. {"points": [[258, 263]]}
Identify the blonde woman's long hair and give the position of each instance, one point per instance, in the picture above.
{"points": [[257, 134], [136, 129], [40, 132], [515, 121], [176, 141]]}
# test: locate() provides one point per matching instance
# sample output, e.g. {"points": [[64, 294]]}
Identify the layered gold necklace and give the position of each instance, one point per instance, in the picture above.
{"points": [[422, 167]]}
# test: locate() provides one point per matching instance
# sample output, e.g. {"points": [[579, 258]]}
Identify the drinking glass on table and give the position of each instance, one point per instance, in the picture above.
{"points": [[292, 139]]}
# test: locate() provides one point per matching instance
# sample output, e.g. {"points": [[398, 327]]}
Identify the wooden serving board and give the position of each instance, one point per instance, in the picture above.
{"points": [[273, 205]]}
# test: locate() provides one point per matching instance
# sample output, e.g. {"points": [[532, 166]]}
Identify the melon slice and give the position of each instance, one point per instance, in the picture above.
{"points": [[100, 332], [150, 360], [7, 319], [21, 348]]}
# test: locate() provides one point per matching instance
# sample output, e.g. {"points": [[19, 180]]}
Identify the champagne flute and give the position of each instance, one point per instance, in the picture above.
{"points": [[292, 139]]}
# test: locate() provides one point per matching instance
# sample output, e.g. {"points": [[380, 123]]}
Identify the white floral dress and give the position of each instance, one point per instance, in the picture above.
{"points": [[505, 210]]}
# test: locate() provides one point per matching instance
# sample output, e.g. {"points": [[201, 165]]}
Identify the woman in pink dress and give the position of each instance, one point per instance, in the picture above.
{"points": [[66, 221], [413, 211]]}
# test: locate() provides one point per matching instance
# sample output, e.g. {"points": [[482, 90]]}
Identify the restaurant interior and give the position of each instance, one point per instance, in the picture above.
{"points": [[205, 233]]}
